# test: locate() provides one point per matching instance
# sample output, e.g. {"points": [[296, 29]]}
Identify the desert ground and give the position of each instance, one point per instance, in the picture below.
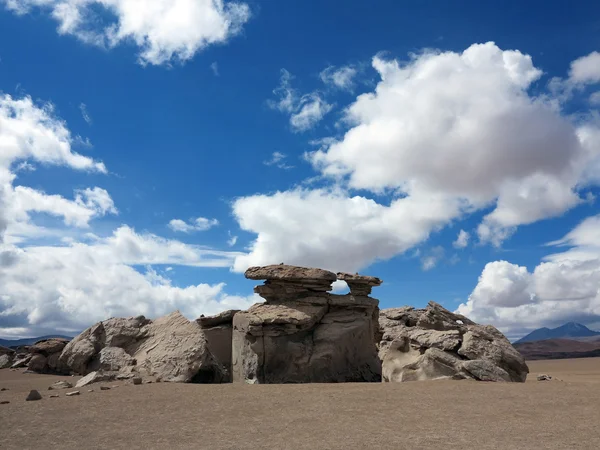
{"points": [[560, 414]]}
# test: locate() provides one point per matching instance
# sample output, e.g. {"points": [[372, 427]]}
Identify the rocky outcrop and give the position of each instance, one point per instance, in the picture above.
{"points": [[45, 356], [171, 348], [6, 357], [302, 333], [218, 332], [434, 343]]}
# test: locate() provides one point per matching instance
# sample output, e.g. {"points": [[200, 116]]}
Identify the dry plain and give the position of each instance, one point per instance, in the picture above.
{"points": [[559, 414]]}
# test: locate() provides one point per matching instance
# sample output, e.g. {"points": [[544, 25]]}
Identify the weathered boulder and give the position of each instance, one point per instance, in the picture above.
{"points": [[47, 347], [302, 333], [114, 332], [21, 361], [434, 343], [175, 349], [218, 332], [6, 360], [6, 357], [95, 377], [37, 363], [171, 348], [112, 359]]}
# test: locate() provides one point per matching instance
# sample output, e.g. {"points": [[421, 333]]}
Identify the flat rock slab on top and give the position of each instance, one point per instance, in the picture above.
{"points": [[283, 272], [359, 279]]}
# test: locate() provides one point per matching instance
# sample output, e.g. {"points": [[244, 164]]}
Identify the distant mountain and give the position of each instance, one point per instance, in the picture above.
{"points": [[558, 349], [566, 331], [29, 341]]}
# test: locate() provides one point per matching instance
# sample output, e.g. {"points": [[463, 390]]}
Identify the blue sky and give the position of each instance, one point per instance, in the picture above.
{"points": [[238, 114]]}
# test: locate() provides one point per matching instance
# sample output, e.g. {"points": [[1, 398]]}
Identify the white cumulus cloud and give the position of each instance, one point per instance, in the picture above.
{"points": [[445, 134], [77, 278], [564, 287], [164, 30], [462, 240]]}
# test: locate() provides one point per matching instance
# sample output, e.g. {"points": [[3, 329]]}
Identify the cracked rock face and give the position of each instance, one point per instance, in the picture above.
{"points": [[304, 334], [434, 343]]}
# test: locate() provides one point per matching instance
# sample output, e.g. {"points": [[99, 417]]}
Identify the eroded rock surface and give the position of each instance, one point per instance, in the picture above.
{"points": [[434, 343], [171, 348], [302, 333]]}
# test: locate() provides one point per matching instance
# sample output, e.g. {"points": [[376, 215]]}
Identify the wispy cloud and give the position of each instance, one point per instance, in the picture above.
{"points": [[197, 224], [278, 160], [85, 113]]}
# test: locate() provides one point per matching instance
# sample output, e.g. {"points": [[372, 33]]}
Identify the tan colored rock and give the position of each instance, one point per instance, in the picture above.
{"points": [[6, 361], [21, 362], [284, 272], [434, 343], [37, 363], [95, 377], [175, 349], [60, 385], [223, 318], [72, 394], [114, 359], [47, 347], [302, 333]]}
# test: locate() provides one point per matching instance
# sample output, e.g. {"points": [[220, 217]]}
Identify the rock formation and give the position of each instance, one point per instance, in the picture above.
{"points": [[218, 332], [46, 356], [171, 348], [433, 343], [302, 333], [6, 357]]}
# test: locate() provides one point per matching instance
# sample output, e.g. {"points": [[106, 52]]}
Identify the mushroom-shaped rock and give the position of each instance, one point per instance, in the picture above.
{"points": [[359, 284]]}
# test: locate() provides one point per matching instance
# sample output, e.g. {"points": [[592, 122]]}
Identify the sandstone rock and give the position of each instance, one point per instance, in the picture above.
{"points": [[223, 318], [37, 363], [302, 333], [33, 396], [544, 377], [284, 272], [71, 394], [77, 354], [136, 380], [60, 385], [95, 377], [21, 362], [174, 349], [359, 284], [113, 359], [47, 347], [6, 361], [6, 351], [434, 343], [218, 332]]}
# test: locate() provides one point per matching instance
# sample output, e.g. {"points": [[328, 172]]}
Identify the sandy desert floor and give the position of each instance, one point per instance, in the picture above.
{"points": [[423, 415]]}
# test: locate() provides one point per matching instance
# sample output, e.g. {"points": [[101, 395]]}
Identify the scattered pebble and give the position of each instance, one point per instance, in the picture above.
{"points": [[54, 396], [104, 388], [3, 389], [90, 390], [71, 394], [136, 380], [149, 382], [544, 377], [115, 386], [33, 395], [4, 402]]}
